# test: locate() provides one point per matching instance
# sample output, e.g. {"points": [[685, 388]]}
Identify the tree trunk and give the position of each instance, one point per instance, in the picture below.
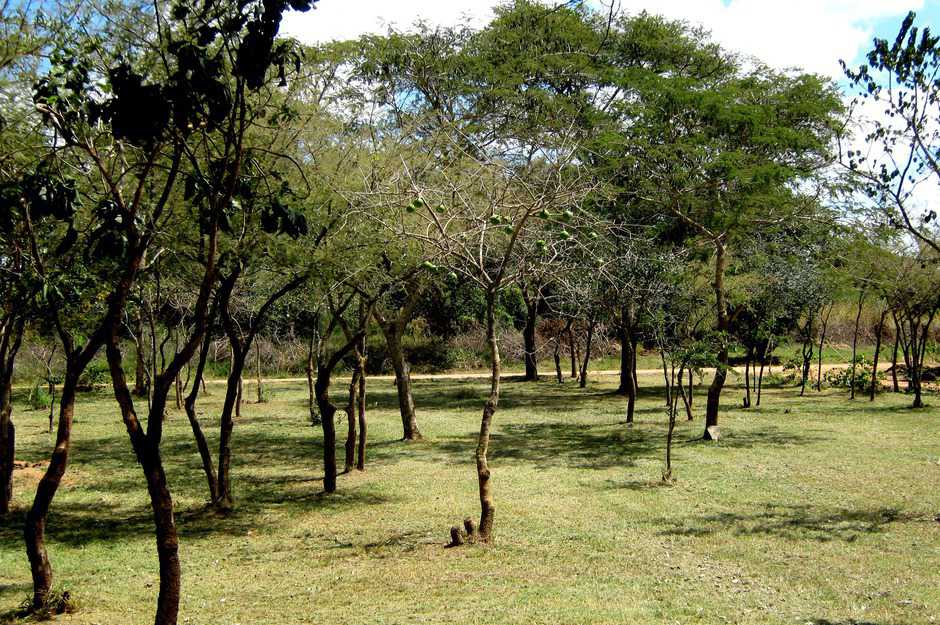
{"points": [[557, 355], [858, 317], [723, 323], [874, 369], [406, 404], [224, 500], [258, 370], [807, 353], [311, 370], [361, 404], [760, 375], [351, 420], [747, 378], [822, 341], [587, 354], [190, 406], [327, 416], [528, 339], [572, 349], [627, 353], [140, 366], [12, 337], [895, 387], [487, 507]]}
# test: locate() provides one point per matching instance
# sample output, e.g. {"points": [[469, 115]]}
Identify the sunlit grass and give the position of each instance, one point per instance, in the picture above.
{"points": [[816, 510]]}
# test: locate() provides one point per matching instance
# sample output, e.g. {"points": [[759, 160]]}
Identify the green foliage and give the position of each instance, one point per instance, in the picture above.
{"points": [[840, 377]]}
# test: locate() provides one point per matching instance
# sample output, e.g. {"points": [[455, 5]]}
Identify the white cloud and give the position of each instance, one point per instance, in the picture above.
{"points": [[347, 19], [811, 34]]}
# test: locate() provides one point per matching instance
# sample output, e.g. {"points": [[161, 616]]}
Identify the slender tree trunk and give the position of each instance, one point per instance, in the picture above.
{"points": [[633, 348], [190, 406], [627, 351], [587, 354], [351, 420], [34, 530], [747, 379], [258, 371], [686, 400], [224, 500], [807, 353], [328, 422], [140, 366], [874, 369], [361, 404], [858, 317], [406, 405], [557, 355], [529, 339], [10, 341], [895, 387], [572, 349], [760, 375], [311, 375], [723, 323], [822, 341], [487, 506]]}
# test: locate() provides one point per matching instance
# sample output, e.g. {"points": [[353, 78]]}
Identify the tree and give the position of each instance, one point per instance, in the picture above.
{"points": [[899, 86]]}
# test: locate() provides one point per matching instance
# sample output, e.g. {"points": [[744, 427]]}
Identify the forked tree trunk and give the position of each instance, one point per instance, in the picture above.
{"points": [[807, 353], [328, 410], [760, 375]]}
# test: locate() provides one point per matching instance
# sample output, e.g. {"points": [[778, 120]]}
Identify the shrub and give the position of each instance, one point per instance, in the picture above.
{"points": [[842, 377], [39, 398]]}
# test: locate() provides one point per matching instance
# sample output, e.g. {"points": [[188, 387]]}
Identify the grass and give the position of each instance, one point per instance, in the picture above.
{"points": [[815, 510]]}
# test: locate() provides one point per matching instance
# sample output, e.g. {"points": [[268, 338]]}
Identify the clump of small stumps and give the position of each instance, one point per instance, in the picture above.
{"points": [[463, 535], [56, 603]]}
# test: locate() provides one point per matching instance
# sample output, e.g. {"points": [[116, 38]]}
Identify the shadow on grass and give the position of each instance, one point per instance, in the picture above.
{"points": [[793, 522]]}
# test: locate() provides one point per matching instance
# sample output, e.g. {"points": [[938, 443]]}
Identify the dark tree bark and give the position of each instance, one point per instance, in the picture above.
{"points": [[723, 326], [393, 329], [557, 356], [807, 352], [350, 446], [190, 406], [572, 348], [258, 371], [530, 357], [328, 408], [11, 336], [763, 363], [587, 353], [747, 378], [311, 377]]}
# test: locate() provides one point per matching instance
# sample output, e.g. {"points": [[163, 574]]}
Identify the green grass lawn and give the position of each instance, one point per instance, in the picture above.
{"points": [[816, 510]]}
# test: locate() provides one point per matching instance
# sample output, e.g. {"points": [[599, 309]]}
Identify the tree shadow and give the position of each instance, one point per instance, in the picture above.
{"points": [[792, 522]]}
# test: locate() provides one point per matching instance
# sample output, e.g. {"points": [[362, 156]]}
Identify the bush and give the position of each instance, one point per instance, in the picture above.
{"points": [[842, 378], [39, 398], [96, 374]]}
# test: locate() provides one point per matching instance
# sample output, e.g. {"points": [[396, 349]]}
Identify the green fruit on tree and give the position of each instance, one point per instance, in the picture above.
{"points": [[496, 220], [452, 276], [564, 235], [441, 208], [544, 214], [428, 265], [567, 215]]}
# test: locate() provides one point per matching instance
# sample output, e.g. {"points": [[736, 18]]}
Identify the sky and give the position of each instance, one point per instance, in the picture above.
{"points": [[809, 34]]}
